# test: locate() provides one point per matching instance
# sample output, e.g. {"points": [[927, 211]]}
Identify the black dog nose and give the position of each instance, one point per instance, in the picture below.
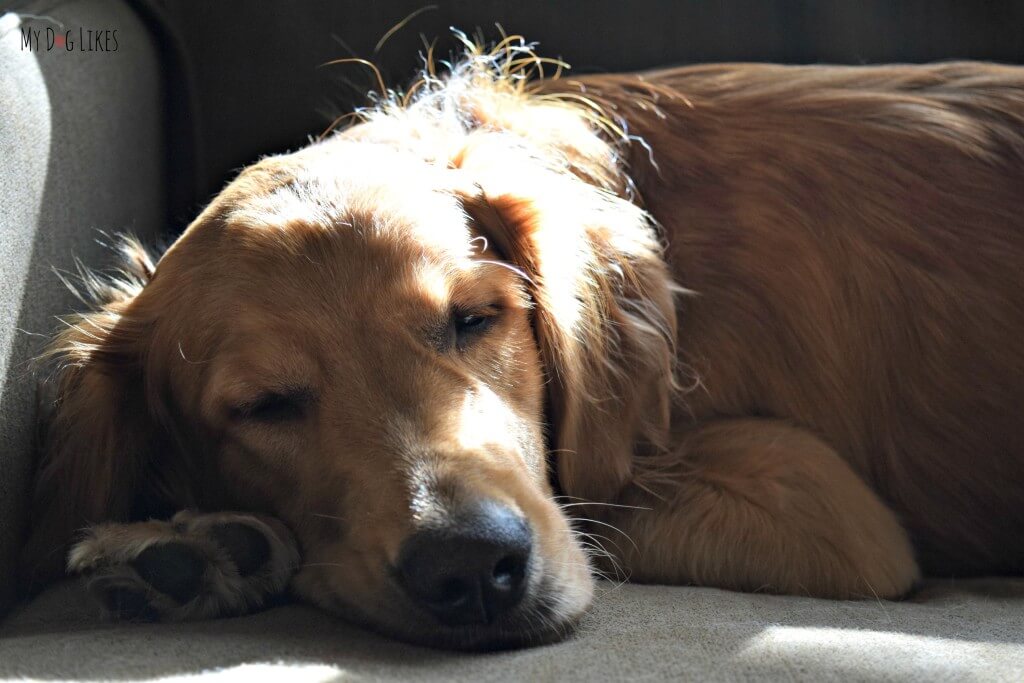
{"points": [[471, 570]]}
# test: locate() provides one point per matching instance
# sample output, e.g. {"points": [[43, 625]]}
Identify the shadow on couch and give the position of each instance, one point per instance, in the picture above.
{"points": [[950, 629]]}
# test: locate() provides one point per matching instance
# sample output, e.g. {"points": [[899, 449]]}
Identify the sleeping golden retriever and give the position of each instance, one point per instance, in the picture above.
{"points": [[748, 326]]}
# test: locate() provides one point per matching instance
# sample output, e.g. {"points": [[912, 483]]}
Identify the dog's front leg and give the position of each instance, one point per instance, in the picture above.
{"points": [[195, 566], [757, 505]]}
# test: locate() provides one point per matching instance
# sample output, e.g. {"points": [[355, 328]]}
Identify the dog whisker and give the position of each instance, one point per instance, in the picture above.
{"points": [[607, 505], [326, 516], [613, 528]]}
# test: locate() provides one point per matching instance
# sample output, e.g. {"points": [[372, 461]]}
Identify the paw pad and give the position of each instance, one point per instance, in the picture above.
{"points": [[248, 548], [194, 566], [174, 569]]}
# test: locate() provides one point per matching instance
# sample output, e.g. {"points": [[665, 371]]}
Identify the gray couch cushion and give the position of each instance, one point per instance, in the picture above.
{"points": [[80, 151], [969, 630]]}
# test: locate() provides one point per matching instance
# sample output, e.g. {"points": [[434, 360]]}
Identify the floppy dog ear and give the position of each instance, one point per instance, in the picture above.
{"points": [[604, 313], [98, 434]]}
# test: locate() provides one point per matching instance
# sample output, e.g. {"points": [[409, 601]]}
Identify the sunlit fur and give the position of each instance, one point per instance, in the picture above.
{"points": [[847, 244]]}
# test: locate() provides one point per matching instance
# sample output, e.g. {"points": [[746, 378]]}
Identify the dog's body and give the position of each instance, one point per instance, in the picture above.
{"points": [[848, 344], [854, 238]]}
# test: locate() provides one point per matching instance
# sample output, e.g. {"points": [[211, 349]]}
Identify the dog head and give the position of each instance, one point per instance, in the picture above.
{"points": [[380, 339]]}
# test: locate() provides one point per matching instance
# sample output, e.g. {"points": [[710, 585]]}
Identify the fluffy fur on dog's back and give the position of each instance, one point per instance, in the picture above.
{"points": [[855, 238], [850, 241]]}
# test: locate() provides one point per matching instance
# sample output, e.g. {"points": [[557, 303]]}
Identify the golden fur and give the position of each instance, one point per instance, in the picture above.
{"points": [[826, 403]]}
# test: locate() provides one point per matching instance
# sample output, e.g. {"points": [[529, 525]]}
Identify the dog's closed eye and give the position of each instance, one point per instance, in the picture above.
{"points": [[274, 406], [468, 325]]}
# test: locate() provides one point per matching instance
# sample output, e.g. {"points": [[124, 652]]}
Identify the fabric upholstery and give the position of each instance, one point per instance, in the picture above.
{"points": [[964, 631], [80, 152]]}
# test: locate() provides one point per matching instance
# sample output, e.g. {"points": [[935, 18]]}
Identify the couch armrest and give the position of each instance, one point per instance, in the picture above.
{"points": [[82, 150]]}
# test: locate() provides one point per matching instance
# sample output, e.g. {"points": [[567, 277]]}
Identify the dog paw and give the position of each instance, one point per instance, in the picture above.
{"points": [[195, 566]]}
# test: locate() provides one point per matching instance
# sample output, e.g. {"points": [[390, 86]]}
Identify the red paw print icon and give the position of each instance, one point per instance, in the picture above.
{"points": [[60, 40]]}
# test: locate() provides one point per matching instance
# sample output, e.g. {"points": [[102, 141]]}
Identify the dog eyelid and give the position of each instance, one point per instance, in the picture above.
{"points": [[484, 311], [468, 323], [276, 405]]}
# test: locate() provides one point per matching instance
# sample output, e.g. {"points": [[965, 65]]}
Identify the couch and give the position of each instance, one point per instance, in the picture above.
{"points": [[137, 139]]}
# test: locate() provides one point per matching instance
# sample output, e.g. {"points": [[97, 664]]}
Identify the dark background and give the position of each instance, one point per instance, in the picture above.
{"points": [[256, 84]]}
